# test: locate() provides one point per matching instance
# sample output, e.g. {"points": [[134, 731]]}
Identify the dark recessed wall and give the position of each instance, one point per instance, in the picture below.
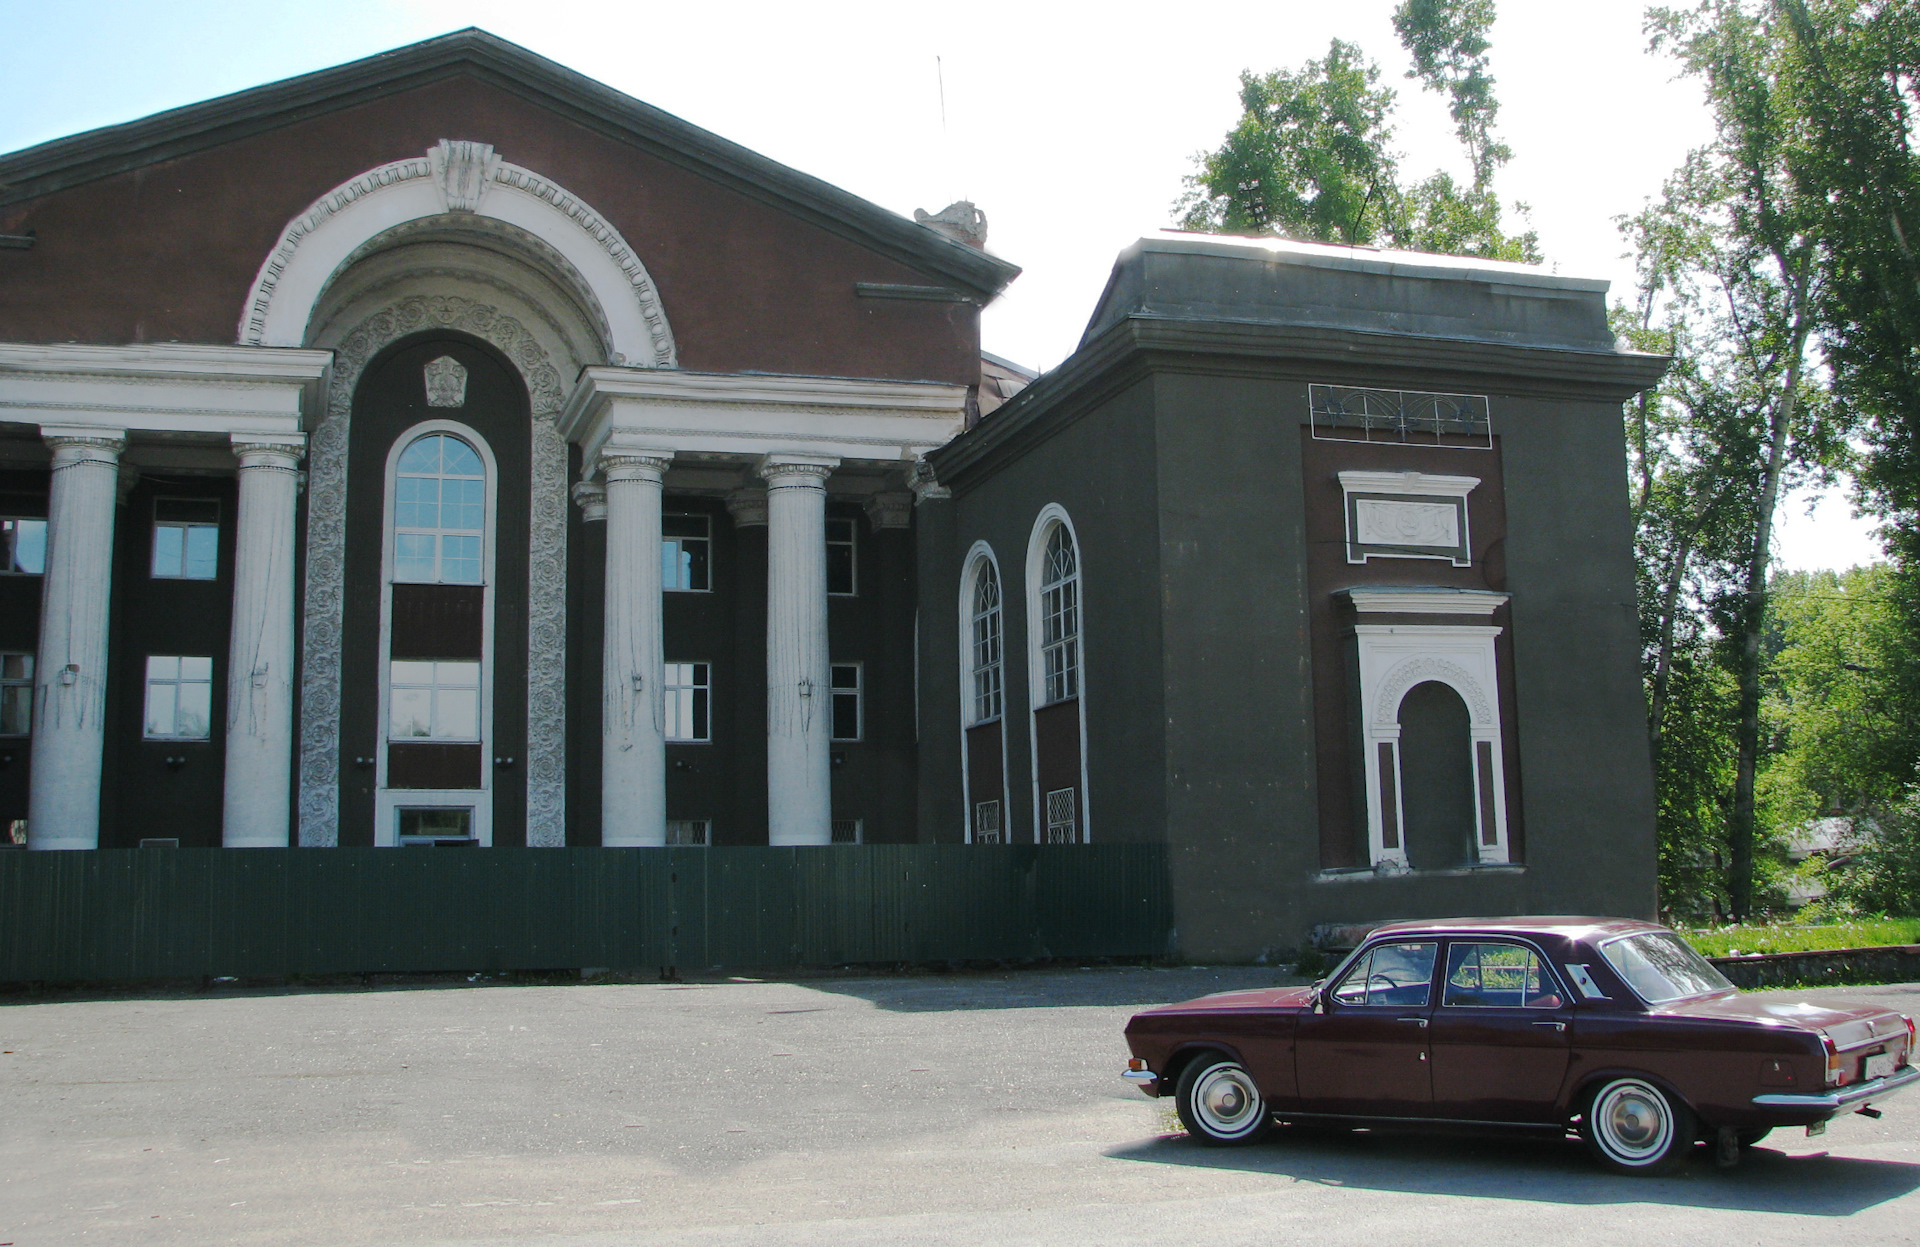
{"points": [[22, 495]]}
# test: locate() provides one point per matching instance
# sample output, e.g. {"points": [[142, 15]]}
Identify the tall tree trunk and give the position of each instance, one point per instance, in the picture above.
{"points": [[1663, 660]]}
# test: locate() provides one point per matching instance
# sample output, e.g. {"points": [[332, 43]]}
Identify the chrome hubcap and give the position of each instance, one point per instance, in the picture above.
{"points": [[1227, 1102], [1632, 1121]]}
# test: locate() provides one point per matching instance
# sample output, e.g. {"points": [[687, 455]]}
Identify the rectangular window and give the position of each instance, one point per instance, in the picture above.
{"points": [[1497, 976], [26, 547], [186, 538], [849, 831], [1060, 805], [16, 694], [687, 687], [986, 822], [847, 717], [1060, 640], [179, 698], [693, 833], [430, 827], [686, 554], [840, 561], [433, 701]]}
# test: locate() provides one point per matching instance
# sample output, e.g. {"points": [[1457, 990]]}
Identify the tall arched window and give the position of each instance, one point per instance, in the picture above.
{"points": [[1056, 682], [988, 693], [439, 512], [983, 699]]}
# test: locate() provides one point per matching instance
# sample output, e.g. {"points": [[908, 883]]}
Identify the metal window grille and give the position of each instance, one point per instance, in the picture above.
{"points": [[1349, 413], [847, 698], [1060, 810], [688, 691], [16, 694], [849, 831], [842, 579], [186, 538], [987, 690], [690, 832], [23, 547], [439, 512], [986, 822], [433, 700], [686, 554], [179, 698], [1060, 617]]}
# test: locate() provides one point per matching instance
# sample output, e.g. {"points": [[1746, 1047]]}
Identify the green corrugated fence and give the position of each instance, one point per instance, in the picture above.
{"points": [[166, 913]]}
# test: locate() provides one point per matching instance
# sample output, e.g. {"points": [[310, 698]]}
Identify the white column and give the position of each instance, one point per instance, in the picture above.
{"points": [[70, 673], [260, 654], [799, 699], [633, 741]]}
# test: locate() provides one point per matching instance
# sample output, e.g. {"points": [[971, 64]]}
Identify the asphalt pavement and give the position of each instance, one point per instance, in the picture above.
{"points": [[954, 1109]]}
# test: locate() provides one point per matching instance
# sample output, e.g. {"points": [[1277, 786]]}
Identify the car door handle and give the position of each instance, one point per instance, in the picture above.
{"points": [[1559, 1026], [1420, 1022]]}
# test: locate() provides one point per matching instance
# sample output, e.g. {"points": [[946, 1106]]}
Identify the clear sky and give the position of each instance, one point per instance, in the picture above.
{"points": [[1071, 125]]}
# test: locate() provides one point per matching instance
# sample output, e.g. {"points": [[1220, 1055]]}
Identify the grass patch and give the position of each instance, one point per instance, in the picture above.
{"points": [[1787, 938]]}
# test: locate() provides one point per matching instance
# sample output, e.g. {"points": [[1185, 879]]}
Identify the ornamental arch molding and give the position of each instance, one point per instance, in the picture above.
{"points": [[1402, 678], [319, 794], [457, 181]]}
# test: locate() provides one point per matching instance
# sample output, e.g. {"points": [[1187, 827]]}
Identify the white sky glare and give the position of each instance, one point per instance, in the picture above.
{"points": [[1070, 125]]}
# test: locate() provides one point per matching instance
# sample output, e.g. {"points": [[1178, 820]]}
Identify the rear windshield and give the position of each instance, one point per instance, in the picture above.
{"points": [[1660, 966]]}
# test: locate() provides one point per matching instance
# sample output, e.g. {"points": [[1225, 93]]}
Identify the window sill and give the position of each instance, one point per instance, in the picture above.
{"points": [[1350, 874]]}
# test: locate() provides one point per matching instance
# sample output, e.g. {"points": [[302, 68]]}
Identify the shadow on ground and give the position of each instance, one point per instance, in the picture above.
{"points": [[1558, 1172], [1096, 987]]}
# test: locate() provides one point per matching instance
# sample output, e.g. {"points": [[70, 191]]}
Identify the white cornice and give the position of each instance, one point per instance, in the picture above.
{"points": [[1415, 483], [1422, 600], [161, 387], [758, 414]]}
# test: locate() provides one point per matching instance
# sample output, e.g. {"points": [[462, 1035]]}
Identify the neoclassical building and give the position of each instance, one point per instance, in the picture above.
{"points": [[445, 449]]}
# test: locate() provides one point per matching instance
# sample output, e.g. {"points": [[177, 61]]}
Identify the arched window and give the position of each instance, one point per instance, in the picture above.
{"points": [[439, 512], [1060, 618], [988, 690]]}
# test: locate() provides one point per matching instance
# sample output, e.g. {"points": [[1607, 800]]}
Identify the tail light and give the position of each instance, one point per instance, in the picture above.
{"points": [[1908, 1059], [1835, 1074]]}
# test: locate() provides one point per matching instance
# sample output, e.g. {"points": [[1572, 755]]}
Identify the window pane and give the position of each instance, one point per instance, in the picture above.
{"points": [[16, 710], [693, 566], [422, 456], [457, 674], [203, 552], [162, 667], [413, 558], [196, 711], [29, 546], [412, 673], [161, 705], [196, 668], [168, 541], [438, 824], [416, 503], [699, 722], [460, 560], [16, 667], [670, 566], [846, 675], [840, 569], [463, 504], [458, 458], [458, 712], [410, 712], [187, 510], [846, 716]]}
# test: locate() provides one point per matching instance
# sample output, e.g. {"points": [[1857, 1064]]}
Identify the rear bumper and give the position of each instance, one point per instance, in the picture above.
{"points": [[1859, 1093], [1145, 1079]]}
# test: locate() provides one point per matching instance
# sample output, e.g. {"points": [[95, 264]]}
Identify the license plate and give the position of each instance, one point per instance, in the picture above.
{"points": [[1878, 1066]]}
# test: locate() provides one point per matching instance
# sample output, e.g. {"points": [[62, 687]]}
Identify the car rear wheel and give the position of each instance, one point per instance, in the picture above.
{"points": [[1632, 1126], [1219, 1103]]}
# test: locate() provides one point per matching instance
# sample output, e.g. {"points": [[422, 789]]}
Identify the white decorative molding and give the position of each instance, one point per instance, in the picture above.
{"points": [[446, 380], [319, 242], [748, 507], [1418, 484], [591, 498], [1407, 515], [925, 485], [1380, 522], [1394, 688], [1423, 600], [161, 387], [546, 570]]}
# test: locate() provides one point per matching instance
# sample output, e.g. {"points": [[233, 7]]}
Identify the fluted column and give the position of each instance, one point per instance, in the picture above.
{"points": [[799, 699], [633, 757], [257, 812], [70, 674]]}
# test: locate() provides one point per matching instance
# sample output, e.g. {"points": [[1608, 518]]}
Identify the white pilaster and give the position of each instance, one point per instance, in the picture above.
{"points": [[799, 700], [70, 675], [633, 744], [260, 656]]}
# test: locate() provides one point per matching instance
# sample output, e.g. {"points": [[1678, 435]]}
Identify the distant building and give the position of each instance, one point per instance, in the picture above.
{"points": [[446, 449]]}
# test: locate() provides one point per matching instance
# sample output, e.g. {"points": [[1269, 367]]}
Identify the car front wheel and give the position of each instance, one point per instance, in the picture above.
{"points": [[1632, 1126], [1219, 1103]]}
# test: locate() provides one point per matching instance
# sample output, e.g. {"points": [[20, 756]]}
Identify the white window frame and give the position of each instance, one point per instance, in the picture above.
{"points": [[185, 527], [176, 682], [979, 557], [836, 691], [1043, 524], [388, 801], [665, 541], [484, 532], [10, 683], [434, 688], [668, 687], [853, 552]]}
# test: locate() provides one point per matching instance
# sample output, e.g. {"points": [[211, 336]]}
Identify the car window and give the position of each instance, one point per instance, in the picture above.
{"points": [[1389, 974], [1659, 966], [1498, 976]]}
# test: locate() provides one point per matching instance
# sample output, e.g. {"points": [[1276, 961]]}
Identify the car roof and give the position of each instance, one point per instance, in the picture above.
{"points": [[1564, 926]]}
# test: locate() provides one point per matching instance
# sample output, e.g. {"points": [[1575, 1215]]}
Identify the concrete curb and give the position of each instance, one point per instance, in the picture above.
{"points": [[1887, 963]]}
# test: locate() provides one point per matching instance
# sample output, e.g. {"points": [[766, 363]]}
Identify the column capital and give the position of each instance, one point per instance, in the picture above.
{"points": [[790, 471], [618, 462], [925, 485], [748, 507], [591, 497], [889, 509], [278, 451], [83, 443]]}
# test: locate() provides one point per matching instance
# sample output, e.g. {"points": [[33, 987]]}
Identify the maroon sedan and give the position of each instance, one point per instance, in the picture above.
{"points": [[1614, 1027]]}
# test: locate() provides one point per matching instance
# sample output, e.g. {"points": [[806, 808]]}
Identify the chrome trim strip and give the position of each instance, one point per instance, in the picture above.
{"points": [[1899, 1080]]}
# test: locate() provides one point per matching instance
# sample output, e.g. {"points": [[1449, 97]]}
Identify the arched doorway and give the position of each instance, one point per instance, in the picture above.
{"points": [[1436, 774]]}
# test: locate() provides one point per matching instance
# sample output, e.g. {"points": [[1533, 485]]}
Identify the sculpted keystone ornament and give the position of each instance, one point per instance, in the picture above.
{"points": [[446, 383]]}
